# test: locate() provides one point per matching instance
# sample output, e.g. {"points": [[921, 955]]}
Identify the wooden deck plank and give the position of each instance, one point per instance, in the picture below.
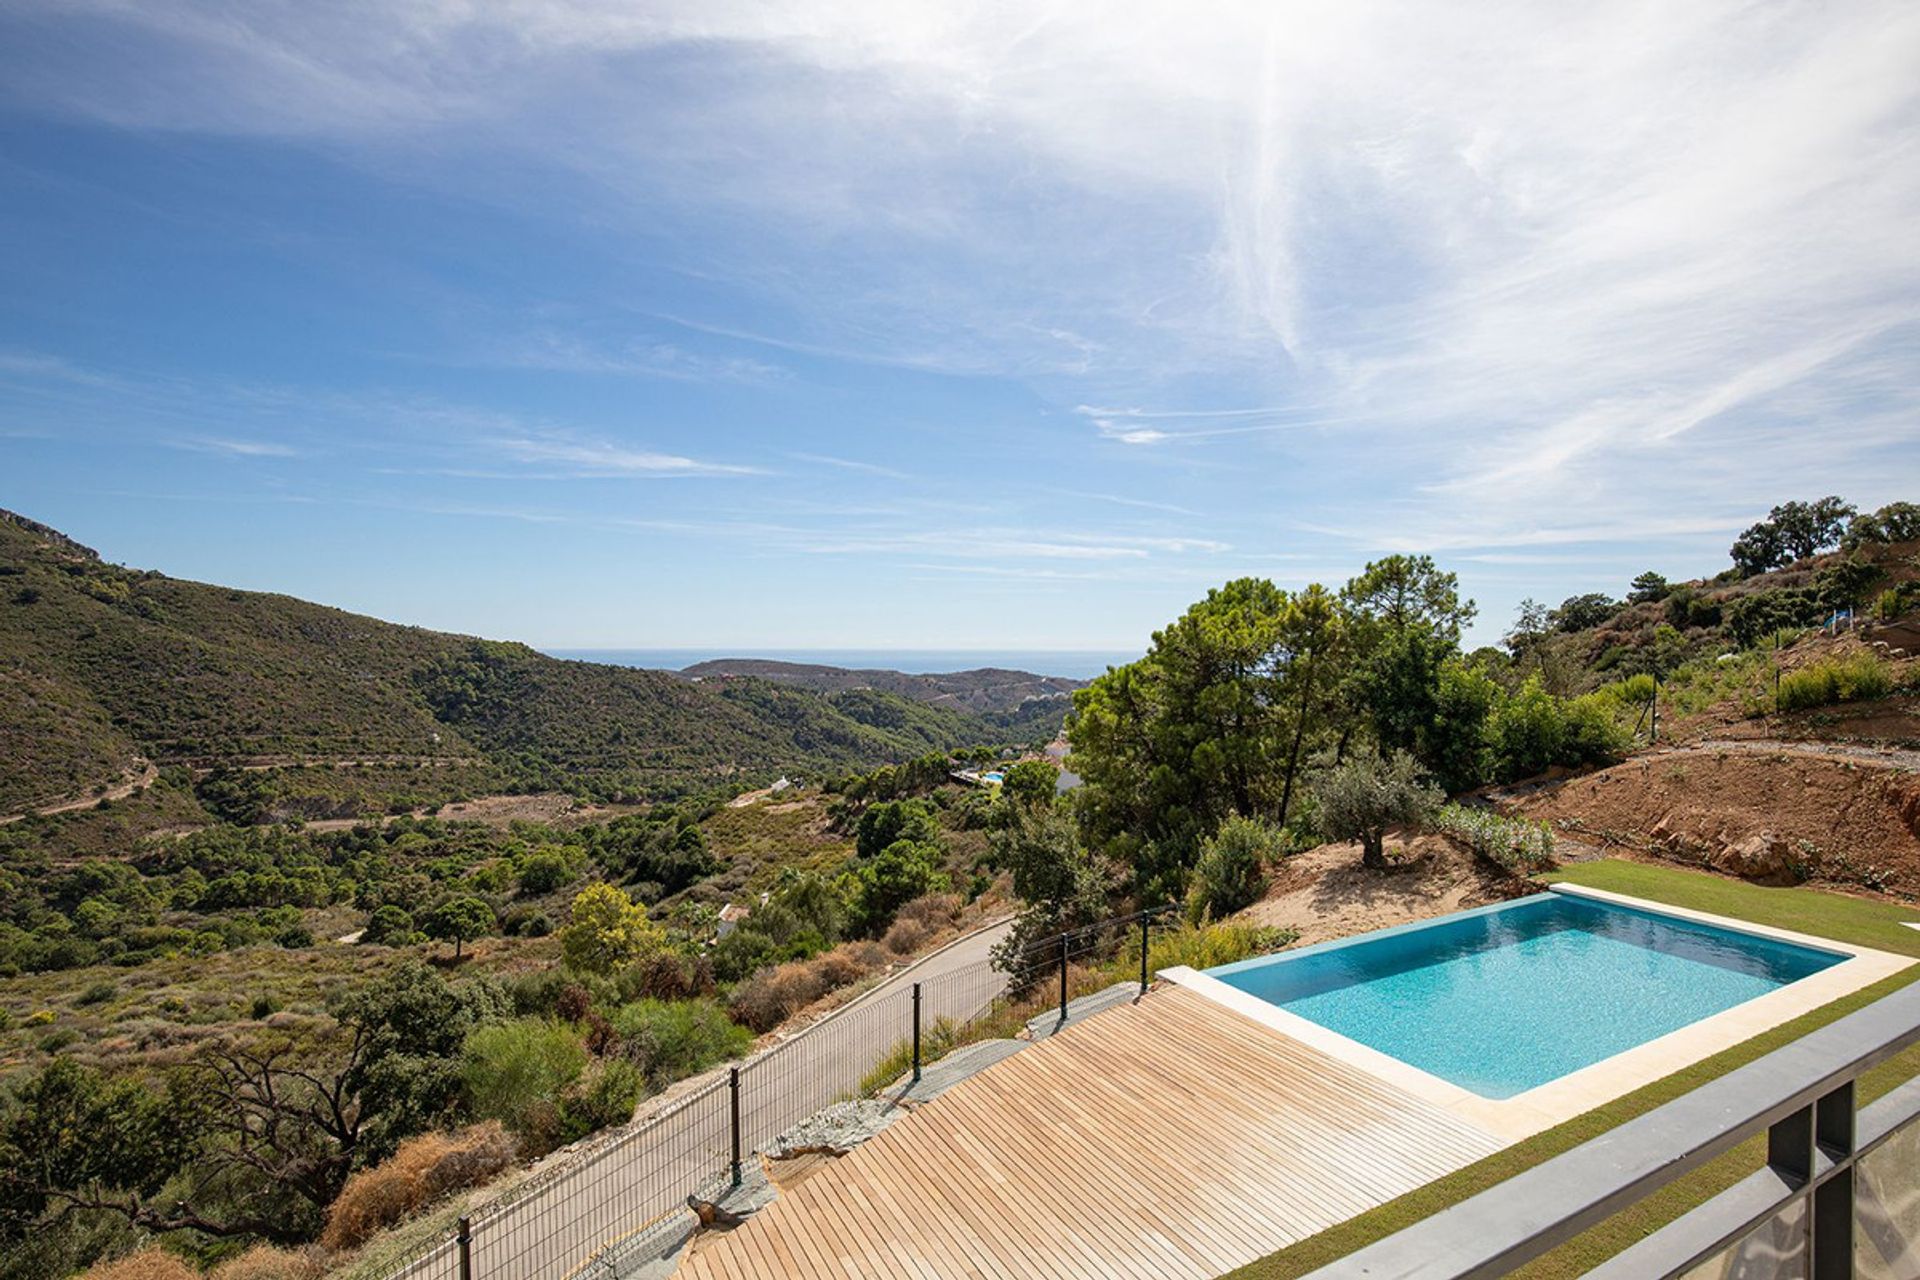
{"points": [[1170, 1138]]}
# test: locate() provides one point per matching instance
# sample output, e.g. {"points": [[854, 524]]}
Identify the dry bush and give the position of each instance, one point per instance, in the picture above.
{"points": [[934, 911], [264, 1262], [906, 936], [771, 996], [420, 1172], [151, 1263]]}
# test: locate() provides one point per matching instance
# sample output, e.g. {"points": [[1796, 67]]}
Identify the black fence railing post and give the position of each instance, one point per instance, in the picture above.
{"points": [[733, 1087], [1063, 977], [1146, 919], [465, 1240], [916, 1033]]}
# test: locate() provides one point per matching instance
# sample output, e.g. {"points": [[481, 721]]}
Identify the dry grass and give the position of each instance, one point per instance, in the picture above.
{"points": [[264, 1262], [151, 1263], [421, 1171], [771, 996], [906, 937]]}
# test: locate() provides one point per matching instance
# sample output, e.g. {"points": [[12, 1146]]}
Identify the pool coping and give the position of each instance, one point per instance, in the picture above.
{"points": [[1556, 1101]]}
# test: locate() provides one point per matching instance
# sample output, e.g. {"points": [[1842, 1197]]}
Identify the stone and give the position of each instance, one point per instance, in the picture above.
{"points": [[1763, 858]]}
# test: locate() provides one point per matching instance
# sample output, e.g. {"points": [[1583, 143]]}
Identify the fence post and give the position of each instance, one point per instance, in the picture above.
{"points": [[1653, 728], [916, 1033], [465, 1239], [1063, 977], [1145, 920], [733, 1087]]}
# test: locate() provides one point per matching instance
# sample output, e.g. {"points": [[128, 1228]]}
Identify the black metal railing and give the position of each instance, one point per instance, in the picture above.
{"points": [[599, 1205], [1838, 1197]]}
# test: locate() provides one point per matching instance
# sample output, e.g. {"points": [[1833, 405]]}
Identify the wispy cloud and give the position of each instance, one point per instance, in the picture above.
{"points": [[637, 360], [590, 458], [851, 464], [235, 448]]}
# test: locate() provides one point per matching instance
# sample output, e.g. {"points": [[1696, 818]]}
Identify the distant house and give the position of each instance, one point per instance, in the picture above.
{"points": [[730, 917]]}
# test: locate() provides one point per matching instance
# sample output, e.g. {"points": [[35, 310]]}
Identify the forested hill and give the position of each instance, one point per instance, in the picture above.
{"points": [[102, 665], [982, 689]]}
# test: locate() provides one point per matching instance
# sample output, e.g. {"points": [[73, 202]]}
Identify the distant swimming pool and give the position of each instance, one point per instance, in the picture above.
{"points": [[1502, 999]]}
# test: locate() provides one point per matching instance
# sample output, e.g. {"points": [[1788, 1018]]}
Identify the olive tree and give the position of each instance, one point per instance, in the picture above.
{"points": [[1361, 799]]}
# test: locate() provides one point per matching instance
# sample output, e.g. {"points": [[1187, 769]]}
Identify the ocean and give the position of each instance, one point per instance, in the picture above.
{"points": [[1074, 664]]}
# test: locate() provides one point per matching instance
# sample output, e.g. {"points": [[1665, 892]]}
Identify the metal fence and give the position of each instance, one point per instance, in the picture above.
{"points": [[1838, 1198], [590, 1208]]}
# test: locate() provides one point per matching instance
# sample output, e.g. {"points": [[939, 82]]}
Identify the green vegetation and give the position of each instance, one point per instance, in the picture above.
{"points": [[1232, 871], [1361, 799], [1872, 924], [1792, 531], [1821, 684], [1520, 845], [1255, 691], [103, 664]]}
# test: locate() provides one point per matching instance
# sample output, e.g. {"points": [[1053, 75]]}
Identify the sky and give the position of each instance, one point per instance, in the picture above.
{"points": [[991, 326]]}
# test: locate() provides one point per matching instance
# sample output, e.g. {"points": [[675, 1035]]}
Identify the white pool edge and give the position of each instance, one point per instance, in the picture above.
{"points": [[1540, 1108]]}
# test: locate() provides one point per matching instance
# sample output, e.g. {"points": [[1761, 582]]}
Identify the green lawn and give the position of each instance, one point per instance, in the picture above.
{"points": [[1855, 920]]}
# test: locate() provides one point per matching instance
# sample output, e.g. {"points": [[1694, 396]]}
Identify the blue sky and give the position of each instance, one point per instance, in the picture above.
{"points": [[882, 325]]}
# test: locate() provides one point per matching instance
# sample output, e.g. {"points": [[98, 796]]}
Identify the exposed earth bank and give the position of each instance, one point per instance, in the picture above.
{"points": [[1776, 815]]}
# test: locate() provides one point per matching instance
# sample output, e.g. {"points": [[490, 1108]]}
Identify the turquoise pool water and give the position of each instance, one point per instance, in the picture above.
{"points": [[1505, 998]]}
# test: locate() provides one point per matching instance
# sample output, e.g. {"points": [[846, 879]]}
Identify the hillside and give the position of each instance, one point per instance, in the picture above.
{"points": [[103, 667], [985, 689]]}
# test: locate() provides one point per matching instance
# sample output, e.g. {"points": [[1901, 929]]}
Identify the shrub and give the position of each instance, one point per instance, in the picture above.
{"points": [[1231, 872], [1517, 844], [543, 873], [771, 996], [899, 873], [670, 1040], [741, 953], [607, 930], [1859, 675], [264, 1262], [420, 1171], [1359, 800], [150, 1263], [905, 936], [390, 926], [1202, 946], [515, 1072], [97, 993], [605, 1096]]}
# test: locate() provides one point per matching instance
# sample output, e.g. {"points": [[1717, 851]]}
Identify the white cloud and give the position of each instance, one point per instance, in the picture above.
{"points": [[586, 458], [1532, 269], [235, 448]]}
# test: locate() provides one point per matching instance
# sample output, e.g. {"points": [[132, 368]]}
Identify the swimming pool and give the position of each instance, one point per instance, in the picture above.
{"points": [[1503, 999]]}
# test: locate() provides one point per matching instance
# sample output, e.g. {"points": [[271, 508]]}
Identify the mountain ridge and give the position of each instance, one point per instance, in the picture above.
{"points": [[101, 665]]}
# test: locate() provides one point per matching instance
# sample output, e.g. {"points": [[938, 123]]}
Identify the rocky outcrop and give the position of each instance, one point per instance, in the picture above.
{"points": [[1764, 858]]}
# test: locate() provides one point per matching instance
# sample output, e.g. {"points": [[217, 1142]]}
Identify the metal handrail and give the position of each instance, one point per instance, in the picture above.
{"points": [[1801, 1094]]}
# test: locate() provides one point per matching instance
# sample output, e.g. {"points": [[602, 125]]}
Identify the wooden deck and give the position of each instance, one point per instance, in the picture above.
{"points": [[1168, 1138]]}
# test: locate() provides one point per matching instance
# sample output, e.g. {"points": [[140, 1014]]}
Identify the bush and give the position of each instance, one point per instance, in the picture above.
{"points": [[1517, 844], [1859, 675], [771, 996], [515, 1072], [543, 873], [420, 1171], [904, 936], [1359, 800], [390, 926], [1232, 869], [1203, 946], [670, 1040], [899, 873], [150, 1263], [605, 1096], [607, 930], [264, 1262]]}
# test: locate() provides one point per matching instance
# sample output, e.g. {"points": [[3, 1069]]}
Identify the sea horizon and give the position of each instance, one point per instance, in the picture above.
{"points": [[1072, 664]]}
